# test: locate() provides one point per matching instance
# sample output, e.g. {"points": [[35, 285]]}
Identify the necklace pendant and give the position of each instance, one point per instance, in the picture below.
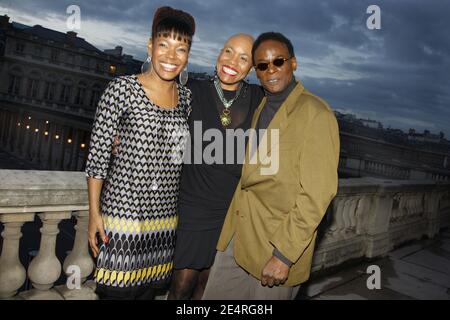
{"points": [[225, 117]]}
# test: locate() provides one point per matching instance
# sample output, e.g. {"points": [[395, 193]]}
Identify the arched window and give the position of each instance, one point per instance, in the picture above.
{"points": [[33, 85], [95, 96], [66, 88], [81, 93], [15, 81], [50, 87]]}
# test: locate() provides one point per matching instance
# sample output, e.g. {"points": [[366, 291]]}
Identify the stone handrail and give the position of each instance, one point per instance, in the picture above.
{"points": [[367, 218], [360, 166]]}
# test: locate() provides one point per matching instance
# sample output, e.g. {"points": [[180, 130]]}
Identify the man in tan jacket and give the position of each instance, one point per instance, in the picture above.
{"points": [[267, 242]]}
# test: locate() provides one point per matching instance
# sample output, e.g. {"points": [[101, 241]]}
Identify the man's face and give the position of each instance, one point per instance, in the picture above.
{"points": [[274, 79]]}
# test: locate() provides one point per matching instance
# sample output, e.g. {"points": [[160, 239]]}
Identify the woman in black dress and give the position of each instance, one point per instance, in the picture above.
{"points": [[225, 103]]}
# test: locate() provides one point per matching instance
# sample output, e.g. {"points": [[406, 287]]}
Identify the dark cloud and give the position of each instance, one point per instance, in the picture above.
{"points": [[399, 74]]}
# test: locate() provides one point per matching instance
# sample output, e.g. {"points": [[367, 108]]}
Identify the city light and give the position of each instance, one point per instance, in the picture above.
{"points": [[69, 140], [36, 130], [18, 124], [29, 118], [83, 145], [46, 122], [57, 137], [28, 127], [46, 133]]}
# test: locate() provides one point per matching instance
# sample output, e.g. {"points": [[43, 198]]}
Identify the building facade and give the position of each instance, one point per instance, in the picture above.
{"points": [[49, 89]]}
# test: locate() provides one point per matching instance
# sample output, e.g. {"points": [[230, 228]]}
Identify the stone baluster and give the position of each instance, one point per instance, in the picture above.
{"points": [[346, 222], [12, 272], [78, 265], [352, 212], [431, 213], [362, 213], [377, 238], [80, 254], [45, 269], [336, 223]]}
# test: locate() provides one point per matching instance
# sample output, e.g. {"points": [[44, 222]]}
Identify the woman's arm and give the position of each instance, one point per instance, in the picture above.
{"points": [[95, 215], [110, 106]]}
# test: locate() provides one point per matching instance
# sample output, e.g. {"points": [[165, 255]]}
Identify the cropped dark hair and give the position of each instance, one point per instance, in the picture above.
{"points": [[276, 36], [168, 20]]}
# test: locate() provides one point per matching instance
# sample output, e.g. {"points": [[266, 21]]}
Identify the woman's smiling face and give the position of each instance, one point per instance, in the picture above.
{"points": [[235, 61], [169, 55]]}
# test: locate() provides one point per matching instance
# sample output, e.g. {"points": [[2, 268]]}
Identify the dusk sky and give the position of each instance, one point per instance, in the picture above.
{"points": [[398, 75]]}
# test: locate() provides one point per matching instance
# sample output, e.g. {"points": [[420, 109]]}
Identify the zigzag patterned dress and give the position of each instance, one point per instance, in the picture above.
{"points": [[141, 184]]}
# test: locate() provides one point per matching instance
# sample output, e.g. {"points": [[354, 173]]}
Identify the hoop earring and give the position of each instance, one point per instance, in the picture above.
{"points": [[183, 77], [214, 76], [147, 65]]}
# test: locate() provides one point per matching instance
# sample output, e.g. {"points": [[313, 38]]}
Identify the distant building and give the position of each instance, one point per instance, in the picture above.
{"points": [[371, 123], [132, 66], [425, 137], [50, 86]]}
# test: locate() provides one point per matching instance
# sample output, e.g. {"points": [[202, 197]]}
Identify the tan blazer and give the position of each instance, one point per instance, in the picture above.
{"points": [[283, 210]]}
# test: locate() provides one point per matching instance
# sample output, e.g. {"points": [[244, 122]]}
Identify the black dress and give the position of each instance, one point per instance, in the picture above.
{"points": [[206, 189]]}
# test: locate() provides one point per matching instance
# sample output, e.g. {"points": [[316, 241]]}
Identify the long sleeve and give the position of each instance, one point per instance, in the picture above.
{"points": [[318, 185], [110, 107]]}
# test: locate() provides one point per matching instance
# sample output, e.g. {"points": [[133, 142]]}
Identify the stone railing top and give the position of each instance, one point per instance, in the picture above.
{"points": [[33, 191], [377, 185], [22, 189], [397, 145], [40, 180]]}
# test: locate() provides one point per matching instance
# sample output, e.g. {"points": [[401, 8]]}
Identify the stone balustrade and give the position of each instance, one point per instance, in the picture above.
{"points": [[367, 218], [370, 217], [53, 197]]}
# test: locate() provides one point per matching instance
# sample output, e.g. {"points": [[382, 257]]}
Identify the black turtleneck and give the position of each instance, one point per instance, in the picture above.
{"points": [[273, 104]]}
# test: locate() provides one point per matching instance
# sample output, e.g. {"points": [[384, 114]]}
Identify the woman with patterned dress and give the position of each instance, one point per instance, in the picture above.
{"points": [[133, 197]]}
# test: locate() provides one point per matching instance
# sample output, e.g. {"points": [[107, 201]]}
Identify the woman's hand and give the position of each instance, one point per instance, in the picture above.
{"points": [[96, 227]]}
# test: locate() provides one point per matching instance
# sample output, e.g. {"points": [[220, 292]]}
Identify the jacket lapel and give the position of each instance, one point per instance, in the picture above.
{"points": [[279, 122]]}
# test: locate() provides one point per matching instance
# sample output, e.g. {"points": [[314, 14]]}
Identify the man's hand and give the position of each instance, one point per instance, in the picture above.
{"points": [[115, 146], [274, 273]]}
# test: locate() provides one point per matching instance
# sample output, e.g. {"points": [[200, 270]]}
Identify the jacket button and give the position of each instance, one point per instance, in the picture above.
{"points": [[237, 212]]}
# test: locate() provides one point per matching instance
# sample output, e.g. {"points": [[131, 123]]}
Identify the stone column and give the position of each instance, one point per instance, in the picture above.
{"points": [[12, 132], [45, 269], [40, 141], [19, 135], [4, 117], [54, 145], [82, 152], [25, 139], [12, 272], [61, 153], [74, 151], [48, 147], [70, 133]]}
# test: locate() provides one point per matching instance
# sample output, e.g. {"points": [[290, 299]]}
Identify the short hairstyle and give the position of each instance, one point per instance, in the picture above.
{"points": [[276, 36], [168, 20]]}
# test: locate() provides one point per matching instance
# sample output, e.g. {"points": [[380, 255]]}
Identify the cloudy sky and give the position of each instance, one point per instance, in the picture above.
{"points": [[398, 75]]}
